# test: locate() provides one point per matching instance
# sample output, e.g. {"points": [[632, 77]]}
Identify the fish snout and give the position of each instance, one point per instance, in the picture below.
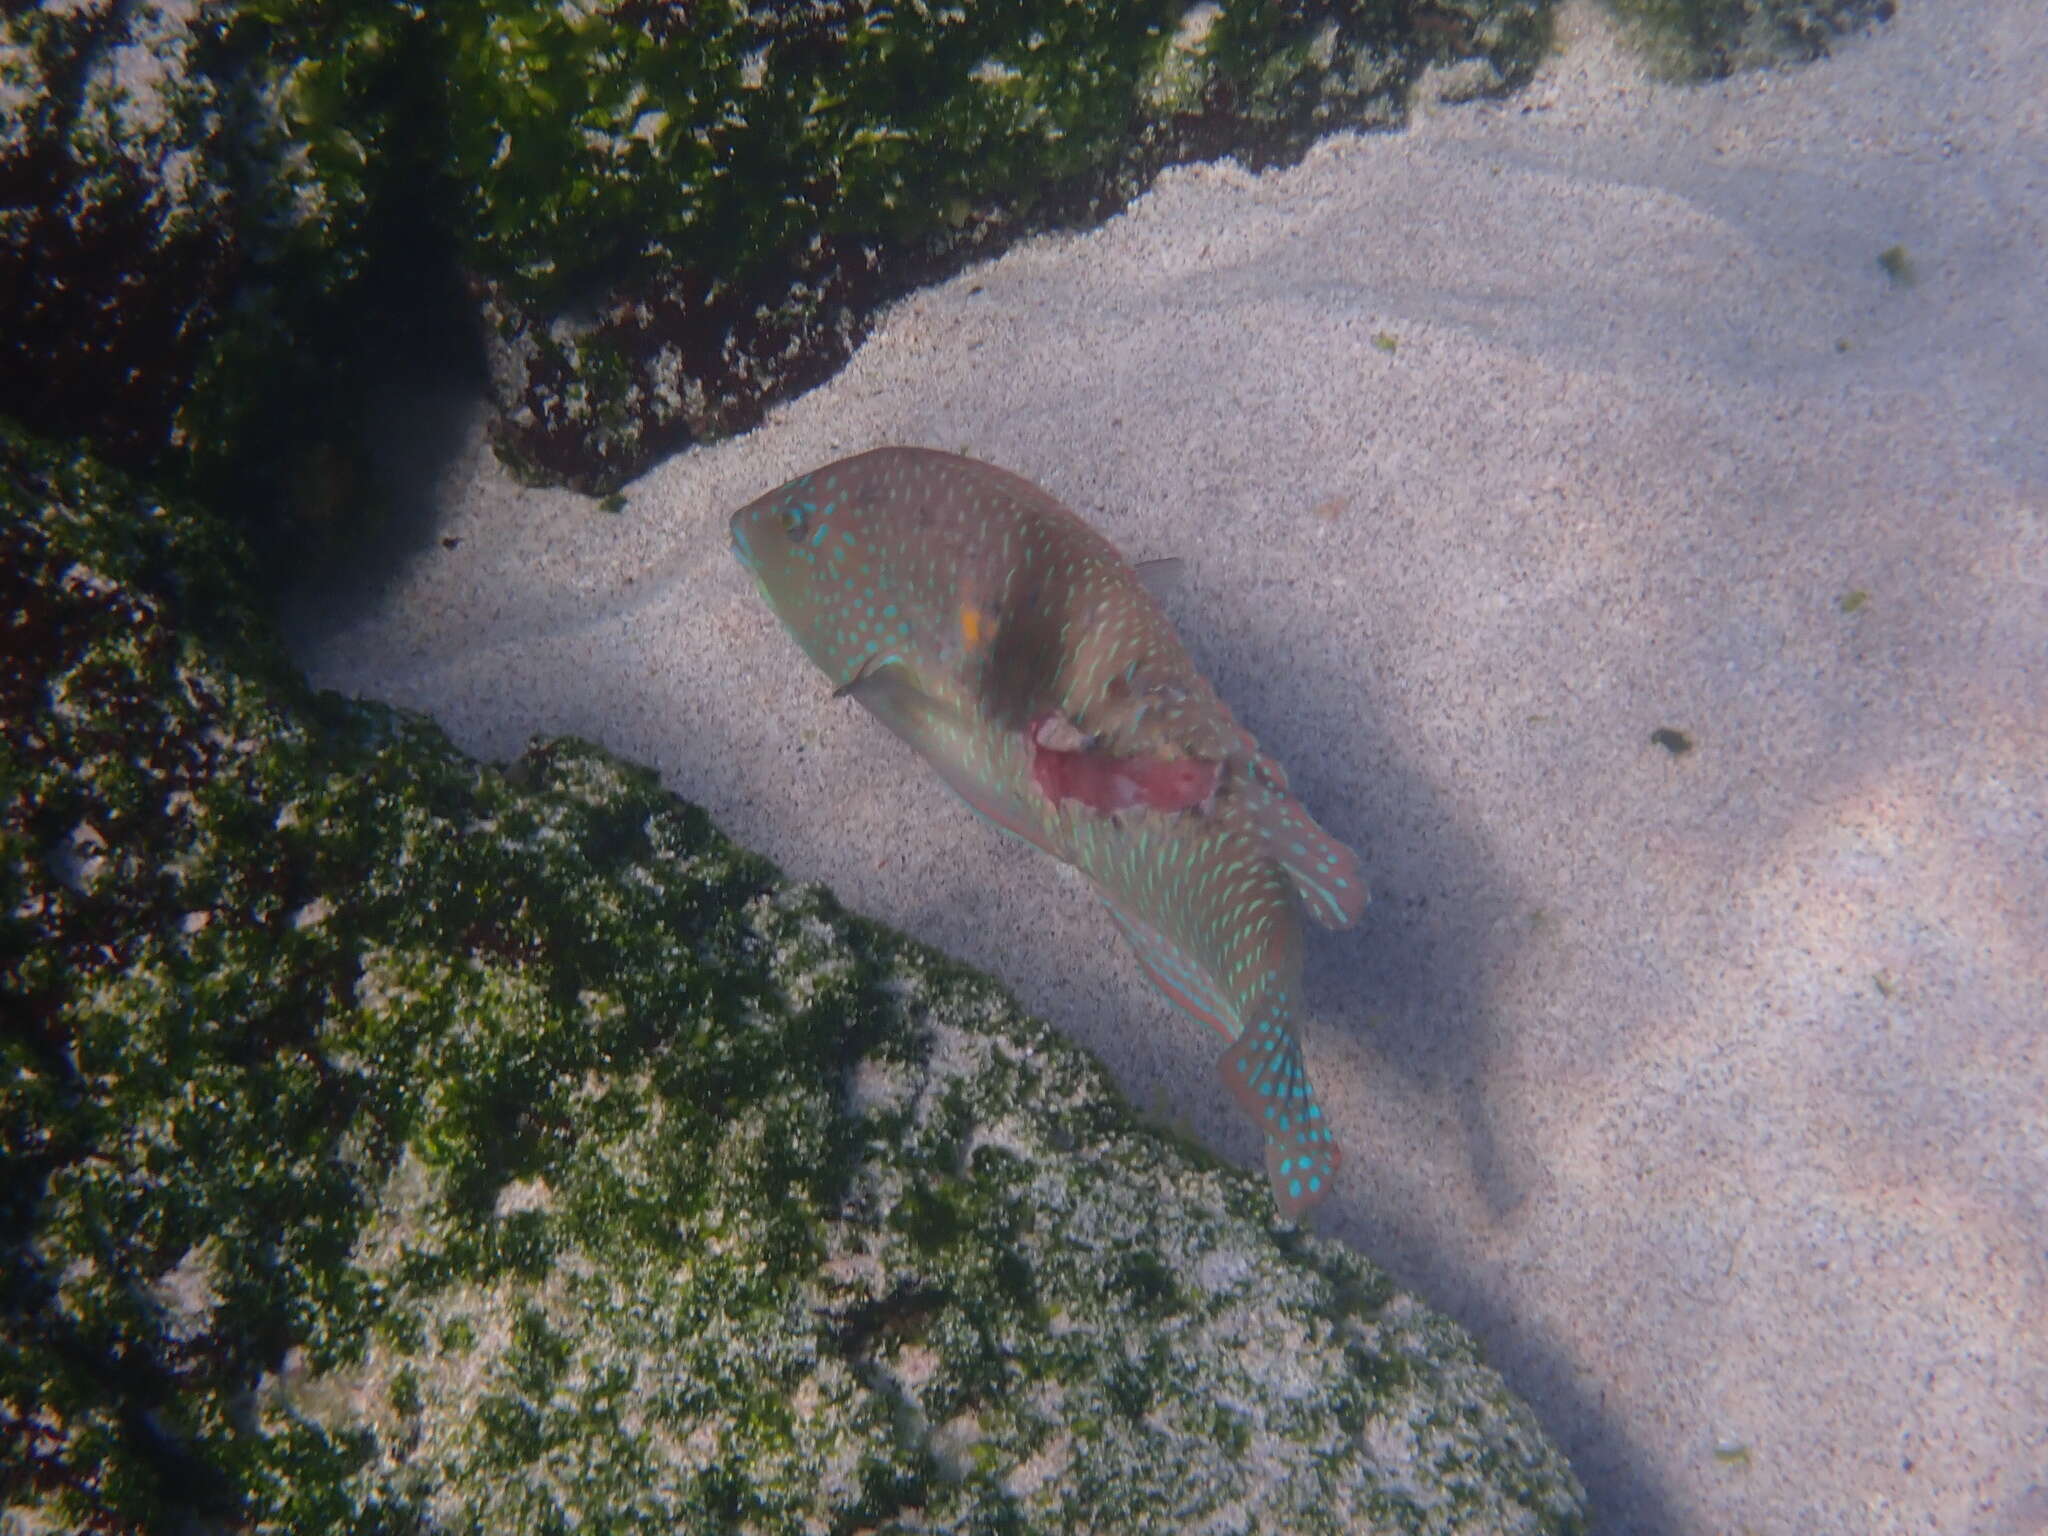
{"points": [[741, 549]]}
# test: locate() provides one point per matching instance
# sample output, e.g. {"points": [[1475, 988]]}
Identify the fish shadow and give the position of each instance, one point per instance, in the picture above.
{"points": [[1408, 983], [1408, 989]]}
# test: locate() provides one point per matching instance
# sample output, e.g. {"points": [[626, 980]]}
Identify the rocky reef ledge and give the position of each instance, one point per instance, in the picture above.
{"points": [[396, 1142]]}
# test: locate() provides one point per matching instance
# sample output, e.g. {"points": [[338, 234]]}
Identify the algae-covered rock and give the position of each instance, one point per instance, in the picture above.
{"points": [[220, 223], [683, 214], [187, 195], [396, 1143], [669, 215], [1700, 39], [116, 243]]}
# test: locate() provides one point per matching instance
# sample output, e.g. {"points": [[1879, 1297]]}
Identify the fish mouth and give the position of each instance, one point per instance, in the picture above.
{"points": [[742, 551]]}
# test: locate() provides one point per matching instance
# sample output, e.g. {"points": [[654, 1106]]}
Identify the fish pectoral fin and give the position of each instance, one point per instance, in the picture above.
{"points": [[888, 688], [1263, 1071], [869, 675]]}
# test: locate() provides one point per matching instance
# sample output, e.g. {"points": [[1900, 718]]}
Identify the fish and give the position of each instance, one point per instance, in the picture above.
{"points": [[1010, 644]]}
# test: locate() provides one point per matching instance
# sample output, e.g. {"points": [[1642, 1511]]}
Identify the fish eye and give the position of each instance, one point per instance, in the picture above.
{"points": [[793, 520]]}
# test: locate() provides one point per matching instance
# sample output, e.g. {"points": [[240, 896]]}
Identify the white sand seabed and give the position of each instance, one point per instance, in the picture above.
{"points": [[1709, 1090]]}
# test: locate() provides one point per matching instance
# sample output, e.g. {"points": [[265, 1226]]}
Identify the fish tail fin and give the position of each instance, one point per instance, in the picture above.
{"points": [[1300, 1181], [1263, 1071]]}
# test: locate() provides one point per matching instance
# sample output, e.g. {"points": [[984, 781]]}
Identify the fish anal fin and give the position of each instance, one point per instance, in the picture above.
{"points": [[1169, 968]]}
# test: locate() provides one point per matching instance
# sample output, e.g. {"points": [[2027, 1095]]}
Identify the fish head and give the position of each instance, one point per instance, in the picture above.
{"points": [[878, 559], [768, 540], [793, 542]]}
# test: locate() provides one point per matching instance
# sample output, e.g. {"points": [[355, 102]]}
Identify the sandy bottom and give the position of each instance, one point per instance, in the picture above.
{"points": [[1709, 1089]]}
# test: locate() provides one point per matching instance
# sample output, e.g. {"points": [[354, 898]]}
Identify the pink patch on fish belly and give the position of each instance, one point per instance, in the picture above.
{"points": [[1065, 768]]}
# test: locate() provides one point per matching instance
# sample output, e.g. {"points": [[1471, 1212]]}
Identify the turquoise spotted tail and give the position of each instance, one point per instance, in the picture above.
{"points": [[1262, 1068]]}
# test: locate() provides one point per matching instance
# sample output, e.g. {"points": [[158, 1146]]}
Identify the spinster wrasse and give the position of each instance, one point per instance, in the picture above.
{"points": [[1013, 647]]}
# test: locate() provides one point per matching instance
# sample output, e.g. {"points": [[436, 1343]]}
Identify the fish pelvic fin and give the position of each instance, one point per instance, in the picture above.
{"points": [[1263, 1071]]}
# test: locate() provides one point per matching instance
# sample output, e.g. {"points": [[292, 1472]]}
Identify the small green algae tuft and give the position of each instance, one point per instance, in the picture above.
{"points": [[1672, 740]]}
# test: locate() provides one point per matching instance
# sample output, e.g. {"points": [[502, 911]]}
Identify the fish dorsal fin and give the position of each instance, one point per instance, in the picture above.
{"points": [[1324, 872], [1160, 576]]}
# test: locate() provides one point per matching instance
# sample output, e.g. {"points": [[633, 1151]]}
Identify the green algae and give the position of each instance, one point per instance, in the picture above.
{"points": [[1894, 262], [1703, 39], [676, 223], [730, 138], [213, 232], [399, 1143]]}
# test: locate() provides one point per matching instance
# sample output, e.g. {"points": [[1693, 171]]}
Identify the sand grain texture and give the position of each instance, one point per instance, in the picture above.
{"points": [[1707, 1088]]}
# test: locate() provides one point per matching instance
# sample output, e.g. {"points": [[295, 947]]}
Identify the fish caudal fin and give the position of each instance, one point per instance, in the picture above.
{"points": [[1299, 1183], [1262, 1069]]}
